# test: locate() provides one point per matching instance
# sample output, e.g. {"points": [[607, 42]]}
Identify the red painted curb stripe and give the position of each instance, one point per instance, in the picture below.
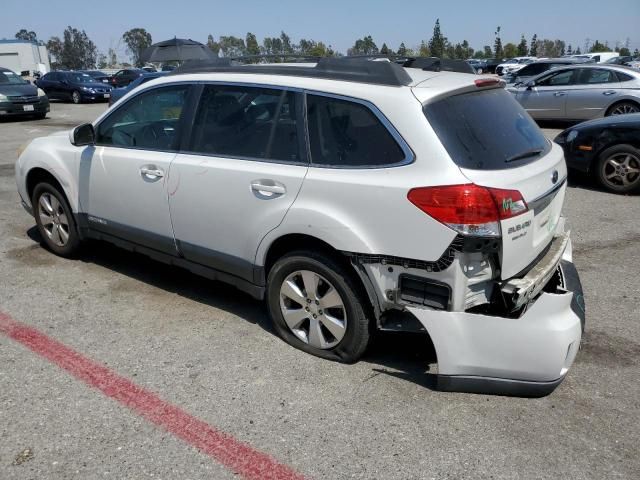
{"points": [[233, 454]]}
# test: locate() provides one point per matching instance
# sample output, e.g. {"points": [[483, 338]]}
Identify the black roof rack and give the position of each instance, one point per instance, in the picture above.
{"points": [[352, 69]]}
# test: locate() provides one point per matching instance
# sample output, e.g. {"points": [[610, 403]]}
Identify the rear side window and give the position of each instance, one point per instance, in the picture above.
{"points": [[348, 134], [486, 130], [589, 76], [623, 77], [247, 122]]}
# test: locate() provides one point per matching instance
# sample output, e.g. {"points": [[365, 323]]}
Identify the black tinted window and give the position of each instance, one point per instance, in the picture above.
{"points": [[589, 76], [486, 130], [348, 134], [247, 122], [623, 77], [149, 120], [557, 79]]}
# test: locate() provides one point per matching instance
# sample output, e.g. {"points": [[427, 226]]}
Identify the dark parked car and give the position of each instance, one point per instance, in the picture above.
{"points": [[118, 93], [540, 66], [622, 60], [97, 75], [122, 78], [491, 64], [607, 148], [19, 97], [75, 86]]}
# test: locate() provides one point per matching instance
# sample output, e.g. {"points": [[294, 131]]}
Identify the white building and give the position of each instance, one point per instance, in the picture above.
{"points": [[23, 55]]}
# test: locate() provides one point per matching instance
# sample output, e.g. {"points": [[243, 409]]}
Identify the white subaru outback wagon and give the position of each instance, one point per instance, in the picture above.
{"points": [[351, 195]]}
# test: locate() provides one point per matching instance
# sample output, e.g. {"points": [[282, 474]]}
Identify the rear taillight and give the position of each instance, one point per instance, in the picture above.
{"points": [[469, 209]]}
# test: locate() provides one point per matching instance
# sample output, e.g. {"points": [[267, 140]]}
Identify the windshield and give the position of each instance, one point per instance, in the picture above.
{"points": [[11, 78], [510, 139], [79, 78]]}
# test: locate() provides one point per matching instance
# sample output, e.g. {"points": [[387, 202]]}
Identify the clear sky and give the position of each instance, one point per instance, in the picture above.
{"points": [[336, 22]]}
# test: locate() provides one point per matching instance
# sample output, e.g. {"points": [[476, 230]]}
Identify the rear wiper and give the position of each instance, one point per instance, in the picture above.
{"points": [[526, 154]]}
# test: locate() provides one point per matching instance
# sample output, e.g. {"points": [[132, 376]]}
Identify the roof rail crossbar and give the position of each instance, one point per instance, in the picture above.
{"points": [[349, 69]]}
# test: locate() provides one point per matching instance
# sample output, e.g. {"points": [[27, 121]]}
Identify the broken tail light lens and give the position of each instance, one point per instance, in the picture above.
{"points": [[469, 209]]}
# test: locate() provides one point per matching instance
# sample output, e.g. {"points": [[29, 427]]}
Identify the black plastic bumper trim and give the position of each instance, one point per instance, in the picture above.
{"points": [[496, 386]]}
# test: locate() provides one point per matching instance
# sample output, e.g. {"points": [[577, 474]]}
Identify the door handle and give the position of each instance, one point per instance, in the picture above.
{"points": [[152, 172], [609, 92], [270, 188], [559, 94]]}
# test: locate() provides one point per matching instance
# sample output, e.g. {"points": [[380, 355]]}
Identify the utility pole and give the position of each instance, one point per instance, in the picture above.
{"points": [[587, 45]]}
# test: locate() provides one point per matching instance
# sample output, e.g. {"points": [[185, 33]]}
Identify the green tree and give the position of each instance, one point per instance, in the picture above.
{"points": [[402, 50], [213, 45], [569, 50], [102, 61], [251, 44], [522, 47], [76, 50], [54, 47], [488, 53], [364, 46], [498, 51], [636, 53], [510, 50], [384, 50], [136, 40], [624, 52], [438, 42], [577, 51], [28, 35], [599, 47], [231, 46], [287, 47], [467, 51], [424, 51], [314, 49], [533, 49]]}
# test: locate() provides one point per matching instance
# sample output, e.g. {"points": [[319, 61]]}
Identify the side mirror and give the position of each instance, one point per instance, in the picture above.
{"points": [[83, 135], [530, 84]]}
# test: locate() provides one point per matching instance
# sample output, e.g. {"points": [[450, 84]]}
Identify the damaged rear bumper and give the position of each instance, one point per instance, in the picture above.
{"points": [[525, 356]]}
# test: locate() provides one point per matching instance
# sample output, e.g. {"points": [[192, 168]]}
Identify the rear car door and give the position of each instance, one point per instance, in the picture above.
{"points": [[49, 83], [123, 179], [547, 98], [238, 175], [591, 93]]}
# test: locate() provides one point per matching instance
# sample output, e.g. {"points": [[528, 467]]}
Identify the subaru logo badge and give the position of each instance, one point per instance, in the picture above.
{"points": [[554, 176]]}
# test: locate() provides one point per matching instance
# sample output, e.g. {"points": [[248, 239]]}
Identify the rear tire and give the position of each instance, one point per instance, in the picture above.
{"points": [[316, 306], [618, 169], [622, 108], [55, 221]]}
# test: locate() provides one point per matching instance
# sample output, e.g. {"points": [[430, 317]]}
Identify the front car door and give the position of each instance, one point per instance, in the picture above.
{"points": [[123, 179], [591, 93], [238, 176], [547, 98]]}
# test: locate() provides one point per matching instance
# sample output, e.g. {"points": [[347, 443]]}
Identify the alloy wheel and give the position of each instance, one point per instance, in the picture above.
{"points": [[622, 170], [53, 219], [313, 309], [625, 108]]}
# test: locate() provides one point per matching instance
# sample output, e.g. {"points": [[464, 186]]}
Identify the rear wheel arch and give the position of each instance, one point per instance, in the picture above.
{"points": [[618, 103]]}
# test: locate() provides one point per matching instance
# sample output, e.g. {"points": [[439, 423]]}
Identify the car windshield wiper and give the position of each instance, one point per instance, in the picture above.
{"points": [[526, 154]]}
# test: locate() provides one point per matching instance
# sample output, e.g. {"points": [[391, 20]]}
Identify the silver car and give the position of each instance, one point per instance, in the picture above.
{"points": [[580, 92]]}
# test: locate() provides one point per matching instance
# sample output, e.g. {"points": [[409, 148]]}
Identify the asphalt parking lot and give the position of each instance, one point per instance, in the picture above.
{"points": [[209, 351]]}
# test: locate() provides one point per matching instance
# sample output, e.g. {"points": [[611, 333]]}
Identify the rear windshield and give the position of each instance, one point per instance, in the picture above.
{"points": [[486, 130]]}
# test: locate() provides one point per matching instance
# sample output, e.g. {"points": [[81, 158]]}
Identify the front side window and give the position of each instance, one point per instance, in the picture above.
{"points": [[347, 134], [149, 120], [247, 122], [557, 79]]}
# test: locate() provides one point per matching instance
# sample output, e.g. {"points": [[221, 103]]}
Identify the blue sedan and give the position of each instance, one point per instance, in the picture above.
{"points": [[118, 93]]}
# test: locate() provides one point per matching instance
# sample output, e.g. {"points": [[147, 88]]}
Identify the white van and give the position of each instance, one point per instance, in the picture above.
{"points": [[599, 57]]}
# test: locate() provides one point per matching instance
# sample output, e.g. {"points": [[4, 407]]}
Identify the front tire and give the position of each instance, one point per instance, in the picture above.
{"points": [[55, 221], [76, 97], [316, 306], [618, 169]]}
